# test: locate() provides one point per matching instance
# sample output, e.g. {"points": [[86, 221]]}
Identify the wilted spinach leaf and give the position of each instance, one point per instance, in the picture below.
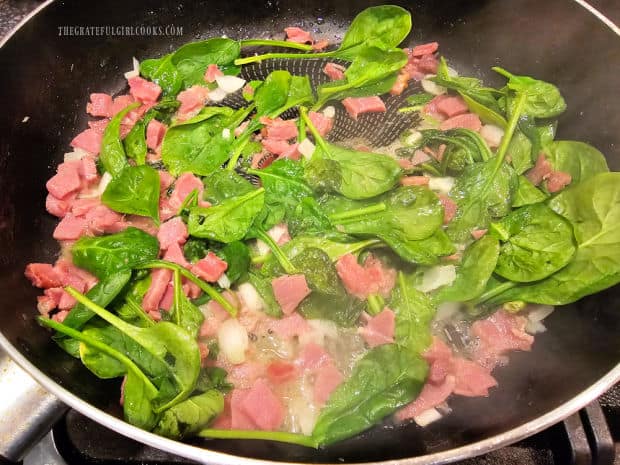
{"points": [[135, 191]]}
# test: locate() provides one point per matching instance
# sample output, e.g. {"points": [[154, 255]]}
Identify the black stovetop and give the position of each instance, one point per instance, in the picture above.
{"points": [[588, 437]]}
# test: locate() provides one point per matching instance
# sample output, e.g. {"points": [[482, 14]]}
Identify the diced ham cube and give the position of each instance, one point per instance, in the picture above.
{"points": [[361, 281], [452, 106], [43, 275], [215, 317], [431, 396], [88, 169], [165, 180], [440, 360], [478, 233], [159, 283], [466, 121], [239, 418], [428, 64], [298, 35], [334, 71], [557, 181], [99, 125], [56, 206], [184, 185], [263, 407], [419, 157], [100, 105], [293, 325], [319, 45], [143, 90], [210, 268], [289, 291], [327, 379], [279, 129], [102, 219], [89, 140], [424, 49], [322, 123], [71, 275], [166, 301], [66, 180], [155, 132], [212, 72], [379, 329], [415, 181], [541, 170], [280, 372], [472, 380], [192, 100], [431, 108], [70, 228], [174, 254], [356, 106], [263, 160], [291, 152], [313, 357], [173, 231], [449, 208], [277, 147], [121, 102], [81, 207]]}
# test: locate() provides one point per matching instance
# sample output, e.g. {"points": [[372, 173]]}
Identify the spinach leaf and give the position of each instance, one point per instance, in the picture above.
{"points": [[262, 284], [135, 141], [237, 255], [527, 193], [195, 249], [230, 220], [487, 115], [224, 184], [536, 242], [184, 313], [199, 144], [167, 343], [163, 72], [135, 191], [273, 93], [191, 60], [385, 379], [191, 415], [105, 255], [414, 313], [213, 378], [593, 209], [520, 152], [112, 155], [475, 270], [580, 160], [307, 218], [463, 147], [542, 99], [423, 252]]}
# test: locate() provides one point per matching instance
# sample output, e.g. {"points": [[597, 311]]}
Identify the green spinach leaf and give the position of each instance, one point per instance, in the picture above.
{"points": [[135, 190], [580, 160], [191, 415], [112, 155]]}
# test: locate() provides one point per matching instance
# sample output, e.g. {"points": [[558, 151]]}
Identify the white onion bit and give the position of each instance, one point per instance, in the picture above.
{"points": [[77, 154], [306, 148], [329, 112], [436, 277], [427, 417], [250, 298], [442, 185], [233, 341], [431, 87], [492, 135], [226, 133], [98, 192], [224, 281], [217, 95], [230, 84]]}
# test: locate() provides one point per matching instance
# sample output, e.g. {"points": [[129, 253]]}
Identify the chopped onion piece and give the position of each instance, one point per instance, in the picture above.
{"points": [[306, 148], [413, 137], [226, 133], [262, 248], [427, 417], [452, 72], [432, 88], [105, 180], [492, 135], [135, 72], [230, 84], [539, 312], [233, 340], [535, 327], [250, 298], [436, 277], [217, 95], [442, 185], [329, 112], [446, 311], [321, 330], [224, 281], [77, 154]]}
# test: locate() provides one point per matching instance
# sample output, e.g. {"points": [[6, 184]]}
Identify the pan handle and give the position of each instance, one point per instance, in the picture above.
{"points": [[27, 411]]}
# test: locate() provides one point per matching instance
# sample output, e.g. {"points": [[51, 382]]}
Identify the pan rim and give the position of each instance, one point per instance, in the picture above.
{"points": [[205, 455]]}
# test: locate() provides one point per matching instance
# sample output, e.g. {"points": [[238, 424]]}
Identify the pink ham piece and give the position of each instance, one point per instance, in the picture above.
{"points": [[424, 49], [66, 180], [322, 123], [100, 105], [212, 72], [541, 170], [379, 329], [452, 106], [361, 281], [211, 268], [334, 71], [293, 325], [217, 315], [155, 132], [498, 334], [472, 380], [174, 254], [143, 90], [192, 100], [166, 301], [159, 283], [262, 406], [557, 181], [89, 140], [478, 233], [263, 159], [276, 146], [184, 185], [431, 108], [356, 106], [313, 357], [439, 357], [121, 102], [70, 228], [289, 291], [71, 275], [291, 152], [165, 180], [56, 206], [173, 231], [238, 418], [326, 380], [320, 44], [449, 208], [280, 372], [43, 275], [431, 396], [88, 169], [298, 35], [415, 181], [466, 121], [99, 125], [419, 157], [279, 129], [102, 219]]}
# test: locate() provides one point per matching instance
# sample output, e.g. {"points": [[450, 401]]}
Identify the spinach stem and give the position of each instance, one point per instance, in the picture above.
{"points": [[488, 295], [303, 112], [101, 347], [379, 207], [275, 43], [177, 296], [193, 278], [261, 173], [268, 56], [140, 313], [376, 303], [234, 158], [410, 109], [289, 268], [280, 436], [512, 125]]}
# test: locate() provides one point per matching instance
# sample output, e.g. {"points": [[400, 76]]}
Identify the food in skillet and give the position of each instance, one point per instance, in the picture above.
{"points": [[247, 277]]}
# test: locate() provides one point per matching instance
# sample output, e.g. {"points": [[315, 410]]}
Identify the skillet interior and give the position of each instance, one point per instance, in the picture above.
{"points": [[48, 77]]}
